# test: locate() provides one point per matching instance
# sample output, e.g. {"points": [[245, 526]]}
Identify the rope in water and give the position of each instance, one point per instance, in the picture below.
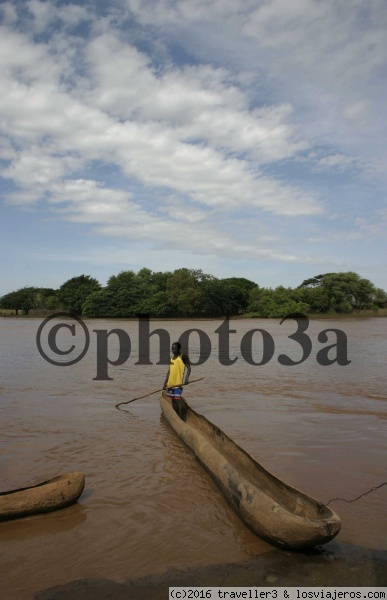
{"points": [[361, 495], [201, 378]]}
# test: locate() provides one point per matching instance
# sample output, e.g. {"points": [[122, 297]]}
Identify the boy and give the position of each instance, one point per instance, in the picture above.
{"points": [[179, 366]]}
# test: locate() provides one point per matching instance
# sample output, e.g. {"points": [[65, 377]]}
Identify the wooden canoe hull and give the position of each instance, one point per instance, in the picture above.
{"points": [[56, 493], [273, 510]]}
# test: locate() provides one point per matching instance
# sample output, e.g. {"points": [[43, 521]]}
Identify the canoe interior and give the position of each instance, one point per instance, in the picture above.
{"points": [[46, 496], [292, 499], [31, 487]]}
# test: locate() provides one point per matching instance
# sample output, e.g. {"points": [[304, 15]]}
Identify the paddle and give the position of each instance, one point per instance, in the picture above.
{"points": [[155, 392]]}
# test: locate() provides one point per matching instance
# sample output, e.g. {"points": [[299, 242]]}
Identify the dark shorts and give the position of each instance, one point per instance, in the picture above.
{"points": [[174, 393]]}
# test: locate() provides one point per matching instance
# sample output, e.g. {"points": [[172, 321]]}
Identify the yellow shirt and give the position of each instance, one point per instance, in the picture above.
{"points": [[176, 372]]}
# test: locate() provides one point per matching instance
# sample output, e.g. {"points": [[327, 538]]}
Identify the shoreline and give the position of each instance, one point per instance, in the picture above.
{"points": [[338, 565], [382, 313]]}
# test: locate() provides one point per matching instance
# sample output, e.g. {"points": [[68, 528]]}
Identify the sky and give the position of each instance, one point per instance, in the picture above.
{"points": [[243, 138]]}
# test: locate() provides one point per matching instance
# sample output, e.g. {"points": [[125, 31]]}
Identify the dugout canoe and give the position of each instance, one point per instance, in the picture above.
{"points": [[273, 510], [50, 495]]}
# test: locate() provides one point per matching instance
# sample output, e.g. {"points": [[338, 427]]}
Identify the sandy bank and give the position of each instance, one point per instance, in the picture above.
{"points": [[335, 566]]}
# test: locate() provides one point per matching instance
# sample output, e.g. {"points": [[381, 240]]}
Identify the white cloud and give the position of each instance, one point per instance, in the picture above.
{"points": [[195, 103], [38, 170], [8, 13], [271, 95], [357, 112], [334, 161], [45, 14], [180, 129], [327, 58]]}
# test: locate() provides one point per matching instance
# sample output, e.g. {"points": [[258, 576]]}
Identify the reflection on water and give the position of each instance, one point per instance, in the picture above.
{"points": [[148, 505], [41, 527]]}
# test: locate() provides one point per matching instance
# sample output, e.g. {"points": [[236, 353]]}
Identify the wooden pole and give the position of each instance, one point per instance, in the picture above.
{"points": [[155, 392]]}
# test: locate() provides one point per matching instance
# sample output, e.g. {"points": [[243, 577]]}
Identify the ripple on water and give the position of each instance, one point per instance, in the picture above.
{"points": [[148, 505]]}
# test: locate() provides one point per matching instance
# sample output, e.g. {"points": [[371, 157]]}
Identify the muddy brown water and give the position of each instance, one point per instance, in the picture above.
{"points": [[148, 505]]}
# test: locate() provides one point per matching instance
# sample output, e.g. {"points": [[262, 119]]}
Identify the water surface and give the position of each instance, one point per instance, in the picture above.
{"points": [[148, 505]]}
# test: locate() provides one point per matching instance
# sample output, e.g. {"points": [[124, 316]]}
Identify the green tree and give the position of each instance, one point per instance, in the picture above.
{"points": [[74, 292], [380, 298], [184, 293], [11, 301], [100, 304], [52, 302], [125, 294], [222, 297], [25, 299], [139, 294], [277, 303], [316, 298], [346, 291], [40, 297], [152, 298], [125, 279], [244, 286]]}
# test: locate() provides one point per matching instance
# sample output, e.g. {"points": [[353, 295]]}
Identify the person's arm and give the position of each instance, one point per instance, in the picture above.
{"points": [[187, 371], [166, 381]]}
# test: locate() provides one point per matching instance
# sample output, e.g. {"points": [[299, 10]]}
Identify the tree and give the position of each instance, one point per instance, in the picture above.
{"points": [[152, 296], [18, 300], [183, 292], [277, 303], [100, 304], [244, 286], [40, 298], [26, 298], [125, 294], [316, 298], [222, 297], [125, 279], [52, 302], [138, 294], [346, 291], [380, 298], [74, 292], [190, 292]]}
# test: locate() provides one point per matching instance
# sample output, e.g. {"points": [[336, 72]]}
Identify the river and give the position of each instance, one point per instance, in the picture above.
{"points": [[147, 504]]}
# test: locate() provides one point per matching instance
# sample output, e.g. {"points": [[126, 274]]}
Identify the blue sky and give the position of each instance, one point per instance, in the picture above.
{"points": [[243, 138]]}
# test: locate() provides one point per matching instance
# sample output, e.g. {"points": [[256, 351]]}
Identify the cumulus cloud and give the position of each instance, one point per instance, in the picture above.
{"points": [[187, 113], [187, 130]]}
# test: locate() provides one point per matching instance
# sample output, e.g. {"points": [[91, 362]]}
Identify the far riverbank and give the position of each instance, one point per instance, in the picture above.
{"points": [[363, 314]]}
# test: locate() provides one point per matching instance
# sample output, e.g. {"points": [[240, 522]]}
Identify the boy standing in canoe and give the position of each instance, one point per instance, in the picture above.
{"points": [[178, 373]]}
